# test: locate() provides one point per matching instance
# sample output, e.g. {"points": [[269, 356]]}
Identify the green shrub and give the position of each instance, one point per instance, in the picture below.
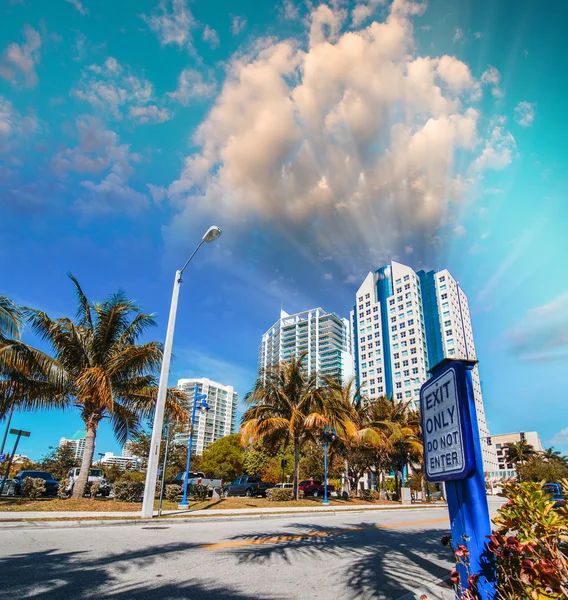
{"points": [[128, 491], [279, 494], [94, 489], [528, 545], [370, 495], [63, 490], [197, 491], [32, 488], [173, 492]]}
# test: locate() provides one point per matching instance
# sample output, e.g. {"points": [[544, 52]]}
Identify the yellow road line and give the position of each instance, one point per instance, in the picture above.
{"points": [[278, 539]]}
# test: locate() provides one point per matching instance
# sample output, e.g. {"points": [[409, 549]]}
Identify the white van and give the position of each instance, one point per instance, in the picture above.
{"points": [[95, 475]]}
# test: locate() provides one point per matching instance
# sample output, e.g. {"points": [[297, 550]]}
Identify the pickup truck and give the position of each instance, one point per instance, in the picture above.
{"points": [[314, 488], [247, 485], [95, 476], [196, 478]]}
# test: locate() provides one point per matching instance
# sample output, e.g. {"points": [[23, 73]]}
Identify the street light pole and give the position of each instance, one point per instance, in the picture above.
{"points": [[154, 455], [19, 433], [326, 432], [203, 406]]}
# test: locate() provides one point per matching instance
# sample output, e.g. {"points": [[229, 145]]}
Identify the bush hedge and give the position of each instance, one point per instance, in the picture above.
{"points": [[279, 494], [173, 492], [128, 491], [32, 488]]}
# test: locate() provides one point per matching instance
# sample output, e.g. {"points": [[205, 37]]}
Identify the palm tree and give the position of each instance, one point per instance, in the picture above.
{"points": [[97, 366], [550, 454], [11, 318], [287, 405], [518, 452]]}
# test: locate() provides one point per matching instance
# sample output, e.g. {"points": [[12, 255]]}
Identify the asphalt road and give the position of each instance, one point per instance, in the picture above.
{"points": [[345, 556]]}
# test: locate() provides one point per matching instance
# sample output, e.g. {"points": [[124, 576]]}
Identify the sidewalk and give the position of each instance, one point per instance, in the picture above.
{"points": [[6, 517]]}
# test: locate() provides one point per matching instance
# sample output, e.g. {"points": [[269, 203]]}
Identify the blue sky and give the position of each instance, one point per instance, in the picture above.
{"points": [[325, 140]]}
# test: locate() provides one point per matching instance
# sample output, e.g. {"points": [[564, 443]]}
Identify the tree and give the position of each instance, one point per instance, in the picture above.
{"points": [[224, 458], [11, 318], [539, 469], [97, 366], [60, 460], [286, 406], [517, 453], [552, 454]]}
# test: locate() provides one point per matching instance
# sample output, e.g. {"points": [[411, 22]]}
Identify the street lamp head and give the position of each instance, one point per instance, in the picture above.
{"points": [[212, 234]]}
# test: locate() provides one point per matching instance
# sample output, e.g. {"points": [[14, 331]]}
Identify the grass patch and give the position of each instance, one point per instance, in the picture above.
{"points": [[110, 505]]}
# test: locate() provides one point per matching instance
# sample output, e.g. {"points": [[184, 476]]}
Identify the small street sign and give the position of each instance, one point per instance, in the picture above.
{"points": [[2, 458], [284, 463], [445, 413]]}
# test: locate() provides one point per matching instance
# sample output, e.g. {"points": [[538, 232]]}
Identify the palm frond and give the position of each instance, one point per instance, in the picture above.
{"points": [[83, 307], [11, 317]]}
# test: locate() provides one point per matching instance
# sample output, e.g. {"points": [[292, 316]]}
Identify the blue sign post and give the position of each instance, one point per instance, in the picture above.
{"points": [[452, 453]]}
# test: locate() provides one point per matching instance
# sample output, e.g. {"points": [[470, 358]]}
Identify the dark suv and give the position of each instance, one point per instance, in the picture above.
{"points": [[247, 485], [51, 484]]}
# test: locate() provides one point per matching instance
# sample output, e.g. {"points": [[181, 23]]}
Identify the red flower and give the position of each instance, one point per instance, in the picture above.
{"points": [[473, 580], [455, 577]]}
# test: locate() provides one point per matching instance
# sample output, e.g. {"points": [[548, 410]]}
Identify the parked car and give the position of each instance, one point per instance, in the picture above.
{"points": [[51, 484], [196, 478], [247, 485], [95, 475], [312, 487], [555, 490]]}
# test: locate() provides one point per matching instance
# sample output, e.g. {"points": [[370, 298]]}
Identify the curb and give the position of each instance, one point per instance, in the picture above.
{"points": [[54, 523]]}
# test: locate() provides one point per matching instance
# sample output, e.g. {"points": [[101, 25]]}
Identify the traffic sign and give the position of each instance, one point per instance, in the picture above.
{"points": [[2, 458], [448, 452]]}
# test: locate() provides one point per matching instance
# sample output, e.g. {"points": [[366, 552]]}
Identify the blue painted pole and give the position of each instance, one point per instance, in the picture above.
{"points": [[325, 500], [184, 503], [468, 509]]}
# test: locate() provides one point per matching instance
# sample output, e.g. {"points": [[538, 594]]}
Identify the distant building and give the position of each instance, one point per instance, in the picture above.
{"points": [[127, 449], [124, 462], [78, 443], [324, 337], [221, 418], [404, 323], [499, 442]]}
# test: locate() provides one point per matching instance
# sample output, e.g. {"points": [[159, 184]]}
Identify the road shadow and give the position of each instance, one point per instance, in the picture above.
{"points": [[382, 562], [56, 575]]}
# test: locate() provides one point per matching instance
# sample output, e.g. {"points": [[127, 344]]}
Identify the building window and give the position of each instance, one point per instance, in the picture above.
{"points": [[380, 390], [393, 328], [414, 361], [407, 286], [398, 384], [375, 308], [444, 296], [443, 278], [405, 363], [410, 322], [415, 371], [395, 346], [399, 280], [406, 277], [447, 323], [448, 332], [391, 302], [393, 319], [396, 356], [367, 304], [368, 312], [372, 390], [399, 396], [398, 290], [408, 394], [443, 287]]}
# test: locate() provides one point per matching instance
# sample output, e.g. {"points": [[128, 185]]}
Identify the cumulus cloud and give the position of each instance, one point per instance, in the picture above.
{"points": [[459, 231], [525, 113], [14, 128], [79, 6], [290, 11], [458, 35], [561, 438], [492, 78], [353, 142], [542, 335], [112, 89], [97, 152], [237, 24], [19, 60], [172, 22], [210, 36], [192, 85]]}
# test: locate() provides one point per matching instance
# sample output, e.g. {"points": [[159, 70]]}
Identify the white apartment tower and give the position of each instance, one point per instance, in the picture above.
{"points": [[404, 323], [217, 422], [77, 442], [324, 337]]}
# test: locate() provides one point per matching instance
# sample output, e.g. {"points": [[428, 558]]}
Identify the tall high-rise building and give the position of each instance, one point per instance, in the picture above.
{"points": [[404, 323], [77, 441], [324, 337], [217, 422]]}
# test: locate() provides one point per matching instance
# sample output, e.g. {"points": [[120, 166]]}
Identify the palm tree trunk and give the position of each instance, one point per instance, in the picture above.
{"points": [[296, 467], [423, 486], [346, 486], [81, 483]]}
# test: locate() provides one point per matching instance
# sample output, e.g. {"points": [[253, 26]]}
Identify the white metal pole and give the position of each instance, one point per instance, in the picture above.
{"points": [[154, 456]]}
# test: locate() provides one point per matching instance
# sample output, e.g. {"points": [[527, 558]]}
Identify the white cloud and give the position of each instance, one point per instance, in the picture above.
{"points": [[363, 10], [172, 26], [290, 11], [159, 194], [478, 35], [237, 24], [79, 6], [458, 35], [14, 128], [561, 438], [331, 141], [210, 36], [459, 231], [498, 151], [542, 334], [19, 61], [191, 85], [112, 89], [492, 78], [525, 113], [98, 151], [328, 276]]}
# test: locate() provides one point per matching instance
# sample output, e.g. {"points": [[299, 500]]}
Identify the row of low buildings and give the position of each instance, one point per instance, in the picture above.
{"points": [[403, 323]]}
